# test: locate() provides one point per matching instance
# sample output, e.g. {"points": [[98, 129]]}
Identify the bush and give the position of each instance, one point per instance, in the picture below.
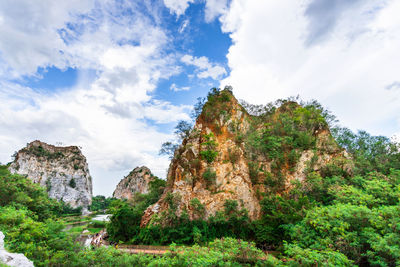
{"points": [[209, 176], [364, 235], [19, 191], [312, 257], [100, 203], [233, 156], [209, 154], [198, 208], [72, 183]]}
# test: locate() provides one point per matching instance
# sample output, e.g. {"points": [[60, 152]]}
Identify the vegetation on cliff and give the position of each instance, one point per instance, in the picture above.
{"points": [[341, 205]]}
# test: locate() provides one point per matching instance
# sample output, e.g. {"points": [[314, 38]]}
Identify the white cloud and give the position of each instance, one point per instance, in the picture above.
{"points": [[30, 37], [184, 25], [204, 67], [347, 69], [174, 88], [108, 115], [177, 6], [215, 8]]}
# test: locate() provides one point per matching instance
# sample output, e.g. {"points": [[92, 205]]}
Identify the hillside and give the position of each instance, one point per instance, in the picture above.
{"points": [[137, 181], [230, 155], [63, 171]]}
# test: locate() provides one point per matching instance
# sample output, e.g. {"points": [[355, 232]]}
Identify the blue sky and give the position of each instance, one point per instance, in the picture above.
{"points": [[115, 76]]}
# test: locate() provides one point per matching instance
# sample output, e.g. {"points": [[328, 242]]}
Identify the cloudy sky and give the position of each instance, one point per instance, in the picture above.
{"points": [[115, 76]]}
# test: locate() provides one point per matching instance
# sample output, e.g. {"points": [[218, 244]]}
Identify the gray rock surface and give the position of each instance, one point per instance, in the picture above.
{"points": [[63, 171], [13, 259], [137, 181]]}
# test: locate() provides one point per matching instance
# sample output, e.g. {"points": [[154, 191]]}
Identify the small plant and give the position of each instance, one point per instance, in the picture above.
{"points": [[209, 154], [72, 183], [253, 172], [209, 175], [233, 155], [230, 207], [76, 167], [198, 208], [195, 163], [48, 185]]}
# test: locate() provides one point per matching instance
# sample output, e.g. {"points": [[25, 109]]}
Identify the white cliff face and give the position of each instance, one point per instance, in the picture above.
{"points": [[13, 259], [63, 171], [137, 181]]}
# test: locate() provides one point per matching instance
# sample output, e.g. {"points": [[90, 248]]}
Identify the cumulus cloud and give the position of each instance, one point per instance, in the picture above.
{"points": [[108, 114], [353, 56], [177, 6], [32, 37], [215, 8], [205, 69], [324, 15]]}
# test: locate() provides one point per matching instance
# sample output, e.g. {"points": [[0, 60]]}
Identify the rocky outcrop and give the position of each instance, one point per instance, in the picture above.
{"points": [[228, 156], [13, 259], [63, 171], [137, 181]]}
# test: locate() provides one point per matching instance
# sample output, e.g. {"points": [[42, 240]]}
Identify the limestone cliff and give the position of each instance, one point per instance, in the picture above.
{"points": [[232, 155], [137, 181], [63, 171]]}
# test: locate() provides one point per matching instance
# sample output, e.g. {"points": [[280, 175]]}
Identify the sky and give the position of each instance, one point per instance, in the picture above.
{"points": [[115, 76]]}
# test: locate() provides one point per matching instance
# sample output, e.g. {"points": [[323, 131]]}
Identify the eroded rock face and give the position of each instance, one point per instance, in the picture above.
{"points": [[238, 172], [137, 181], [63, 171], [13, 259]]}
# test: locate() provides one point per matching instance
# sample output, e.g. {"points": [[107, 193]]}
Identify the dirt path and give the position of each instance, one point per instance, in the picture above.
{"points": [[144, 251]]}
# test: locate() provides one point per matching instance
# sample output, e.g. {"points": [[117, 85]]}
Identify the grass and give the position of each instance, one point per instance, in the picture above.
{"points": [[97, 224], [78, 229], [93, 226], [94, 230]]}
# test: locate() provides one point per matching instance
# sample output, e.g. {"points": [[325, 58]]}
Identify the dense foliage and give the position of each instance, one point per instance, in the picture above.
{"points": [[125, 220], [100, 203], [371, 153], [28, 219]]}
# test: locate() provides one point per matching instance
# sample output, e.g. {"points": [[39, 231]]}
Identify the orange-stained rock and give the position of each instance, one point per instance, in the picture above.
{"points": [[230, 123], [137, 181]]}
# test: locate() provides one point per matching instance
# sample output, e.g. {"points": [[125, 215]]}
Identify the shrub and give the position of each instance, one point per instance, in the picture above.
{"points": [[233, 156], [209, 176], [364, 235], [198, 208], [253, 172], [209, 154], [72, 183], [230, 207]]}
